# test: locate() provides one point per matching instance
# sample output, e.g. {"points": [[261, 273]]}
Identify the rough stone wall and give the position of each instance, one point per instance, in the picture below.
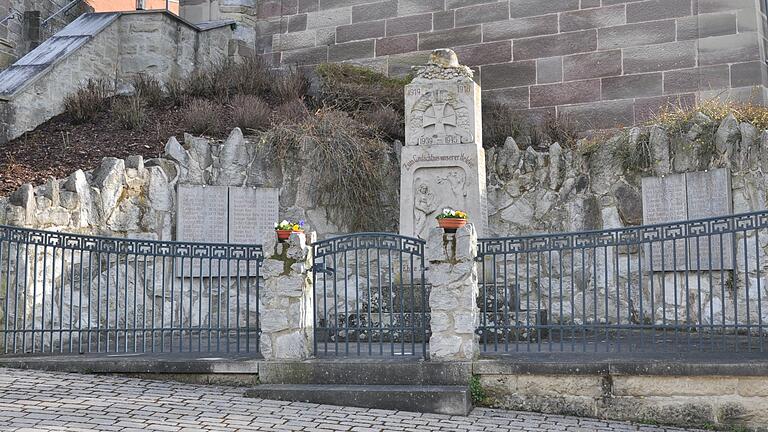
{"points": [[563, 189], [155, 43], [603, 63]]}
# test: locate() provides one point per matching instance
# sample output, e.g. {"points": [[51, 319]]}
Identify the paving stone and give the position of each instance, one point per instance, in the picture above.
{"points": [[225, 409]]}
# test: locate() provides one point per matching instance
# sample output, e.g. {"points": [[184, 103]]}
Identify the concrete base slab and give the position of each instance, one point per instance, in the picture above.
{"points": [[452, 400]]}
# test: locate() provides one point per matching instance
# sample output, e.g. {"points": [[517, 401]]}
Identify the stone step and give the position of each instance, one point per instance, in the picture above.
{"points": [[451, 400], [366, 372]]}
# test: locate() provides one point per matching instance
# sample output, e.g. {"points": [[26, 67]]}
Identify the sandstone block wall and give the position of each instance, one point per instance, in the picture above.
{"points": [[695, 399], [17, 35], [155, 43], [604, 63]]}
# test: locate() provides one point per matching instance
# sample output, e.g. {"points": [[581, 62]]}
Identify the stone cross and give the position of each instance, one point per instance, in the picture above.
{"points": [[443, 162]]}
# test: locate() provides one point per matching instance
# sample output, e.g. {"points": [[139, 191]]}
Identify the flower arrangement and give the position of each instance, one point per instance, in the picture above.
{"points": [[450, 220], [286, 227], [448, 213]]}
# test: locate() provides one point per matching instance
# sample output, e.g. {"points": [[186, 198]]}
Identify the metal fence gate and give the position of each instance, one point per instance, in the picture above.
{"points": [[370, 296], [695, 286], [67, 293]]}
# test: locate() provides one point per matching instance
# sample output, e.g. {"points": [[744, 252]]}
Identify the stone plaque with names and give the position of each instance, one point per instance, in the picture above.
{"points": [[664, 201], [252, 214], [220, 214], [202, 215], [684, 197], [709, 195]]}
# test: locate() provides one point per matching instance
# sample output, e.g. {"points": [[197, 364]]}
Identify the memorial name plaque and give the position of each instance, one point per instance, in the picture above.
{"points": [[202, 215], [664, 201], [683, 197], [220, 214], [709, 195], [252, 214]]}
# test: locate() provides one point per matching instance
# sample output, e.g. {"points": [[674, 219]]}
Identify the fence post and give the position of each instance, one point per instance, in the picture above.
{"points": [[453, 297], [287, 299]]}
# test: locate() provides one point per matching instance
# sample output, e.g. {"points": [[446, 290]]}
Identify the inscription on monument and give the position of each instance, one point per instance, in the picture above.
{"points": [[709, 195], [202, 215], [220, 214], [252, 214], [664, 201], [681, 197], [443, 162]]}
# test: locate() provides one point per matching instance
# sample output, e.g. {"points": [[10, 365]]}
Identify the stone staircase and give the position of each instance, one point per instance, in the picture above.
{"points": [[419, 386]]}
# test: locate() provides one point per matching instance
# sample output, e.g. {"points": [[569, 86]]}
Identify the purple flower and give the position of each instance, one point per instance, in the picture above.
{"points": [[301, 223]]}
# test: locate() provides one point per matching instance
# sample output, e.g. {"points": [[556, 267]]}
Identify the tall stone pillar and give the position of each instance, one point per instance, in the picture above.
{"points": [[453, 297], [443, 162], [286, 300]]}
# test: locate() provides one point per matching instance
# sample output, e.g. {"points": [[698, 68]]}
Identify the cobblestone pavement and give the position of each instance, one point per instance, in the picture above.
{"points": [[44, 401]]}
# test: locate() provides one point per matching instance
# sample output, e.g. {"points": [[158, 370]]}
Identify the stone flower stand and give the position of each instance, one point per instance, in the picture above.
{"points": [[286, 299], [452, 273]]}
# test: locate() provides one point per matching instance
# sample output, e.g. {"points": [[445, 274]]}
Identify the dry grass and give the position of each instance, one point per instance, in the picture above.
{"points": [[680, 118], [353, 88], [149, 88], [352, 166], [130, 111]]}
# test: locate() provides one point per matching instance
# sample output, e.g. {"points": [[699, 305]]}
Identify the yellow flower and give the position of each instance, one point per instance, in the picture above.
{"points": [[296, 227]]}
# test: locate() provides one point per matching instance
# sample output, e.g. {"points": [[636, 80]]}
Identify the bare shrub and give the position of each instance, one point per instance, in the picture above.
{"points": [[250, 112], [149, 88], [289, 84], [129, 111], [292, 111], [353, 88], [353, 167], [390, 122], [201, 116], [561, 129], [88, 101], [250, 76], [501, 121]]}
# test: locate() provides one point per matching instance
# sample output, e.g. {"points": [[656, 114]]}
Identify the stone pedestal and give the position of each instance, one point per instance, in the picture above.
{"points": [[286, 300], [443, 162], [453, 297]]}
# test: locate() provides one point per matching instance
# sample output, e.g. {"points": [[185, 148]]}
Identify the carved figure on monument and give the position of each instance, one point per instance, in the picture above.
{"points": [[424, 207]]}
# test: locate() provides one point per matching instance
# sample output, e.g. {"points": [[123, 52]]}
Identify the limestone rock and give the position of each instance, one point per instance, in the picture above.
{"points": [[135, 162], [175, 152], [159, 192], [52, 191], [233, 160], [728, 135], [81, 200], [507, 158], [555, 166], [109, 179], [629, 203], [24, 198], [659, 142], [200, 160]]}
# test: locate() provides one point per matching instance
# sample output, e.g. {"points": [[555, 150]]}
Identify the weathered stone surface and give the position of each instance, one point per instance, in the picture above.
{"points": [[452, 299], [443, 162], [727, 135], [630, 204]]}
